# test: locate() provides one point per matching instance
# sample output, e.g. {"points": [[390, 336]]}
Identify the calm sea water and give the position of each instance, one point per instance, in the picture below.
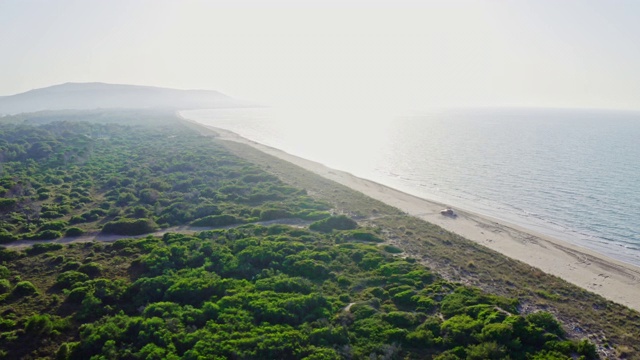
{"points": [[571, 174]]}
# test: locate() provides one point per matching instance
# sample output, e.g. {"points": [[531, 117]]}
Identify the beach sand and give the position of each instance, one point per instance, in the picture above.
{"points": [[612, 279]]}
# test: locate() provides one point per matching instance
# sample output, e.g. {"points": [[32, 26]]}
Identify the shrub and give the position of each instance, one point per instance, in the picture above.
{"points": [[420, 338], [76, 219], [97, 212], [54, 225], [24, 288], [46, 235], [71, 265], [283, 283], [460, 329], [92, 269], [489, 350], [216, 220], [392, 249], [365, 236], [51, 215], [42, 248], [149, 196], [63, 352], [546, 321], [423, 303], [8, 255], [89, 216], [404, 297], [58, 260], [496, 332], [69, 278], [587, 349], [7, 237], [39, 325], [274, 214], [313, 215], [78, 294], [129, 227], [311, 269], [4, 272], [126, 198], [400, 318], [206, 210], [5, 286], [340, 222], [74, 231], [6, 204]]}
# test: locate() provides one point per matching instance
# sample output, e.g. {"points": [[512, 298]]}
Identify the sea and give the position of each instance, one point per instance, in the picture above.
{"points": [[570, 174]]}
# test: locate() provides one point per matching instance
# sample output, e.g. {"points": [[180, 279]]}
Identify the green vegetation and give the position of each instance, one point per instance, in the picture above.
{"points": [[327, 288], [613, 327], [258, 292], [340, 222], [68, 178]]}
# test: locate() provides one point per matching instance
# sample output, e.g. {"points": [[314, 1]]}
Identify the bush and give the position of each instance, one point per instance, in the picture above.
{"points": [[39, 325], [400, 318], [283, 283], [340, 222], [7, 237], [216, 220], [24, 288], [42, 248], [76, 219], [92, 269], [74, 231], [423, 303], [7, 204], [51, 215], [129, 227], [4, 272], [546, 321], [54, 225], [587, 349], [71, 265], [274, 214], [63, 352], [5, 286], [313, 215], [69, 278], [365, 236], [78, 294], [8, 255], [392, 249], [46, 235], [206, 210]]}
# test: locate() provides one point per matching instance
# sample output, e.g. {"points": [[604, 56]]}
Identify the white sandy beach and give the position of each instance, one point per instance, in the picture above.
{"points": [[614, 280]]}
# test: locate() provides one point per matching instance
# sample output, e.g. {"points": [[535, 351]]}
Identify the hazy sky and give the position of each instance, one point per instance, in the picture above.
{"points": [[405, 54]]}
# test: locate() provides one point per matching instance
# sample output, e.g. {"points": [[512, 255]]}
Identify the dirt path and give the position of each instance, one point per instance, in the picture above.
{"points": [[185, 229]]}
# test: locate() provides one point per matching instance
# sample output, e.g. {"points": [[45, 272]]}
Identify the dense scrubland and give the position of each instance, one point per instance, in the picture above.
{"points": [[67, 178], [360, 281]]}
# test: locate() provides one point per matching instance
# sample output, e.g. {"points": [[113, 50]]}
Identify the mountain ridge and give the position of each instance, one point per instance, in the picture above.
{"points": [[98, 95]]}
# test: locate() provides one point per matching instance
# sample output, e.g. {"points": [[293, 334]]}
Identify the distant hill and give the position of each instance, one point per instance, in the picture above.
{"points": [[103, 96]]}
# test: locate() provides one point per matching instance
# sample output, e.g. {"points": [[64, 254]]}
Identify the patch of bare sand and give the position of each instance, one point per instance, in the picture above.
{"points": [[614, 280]]}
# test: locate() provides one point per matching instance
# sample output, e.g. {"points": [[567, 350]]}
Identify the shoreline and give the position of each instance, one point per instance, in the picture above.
{"points": [[613, 279]]}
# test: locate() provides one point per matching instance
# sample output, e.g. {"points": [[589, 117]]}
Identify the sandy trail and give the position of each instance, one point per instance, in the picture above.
{"points": [[614, 280], [184, 229]]}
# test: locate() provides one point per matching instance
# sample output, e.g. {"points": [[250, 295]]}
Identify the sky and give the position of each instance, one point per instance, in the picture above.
{"points": [[393, 54]]}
